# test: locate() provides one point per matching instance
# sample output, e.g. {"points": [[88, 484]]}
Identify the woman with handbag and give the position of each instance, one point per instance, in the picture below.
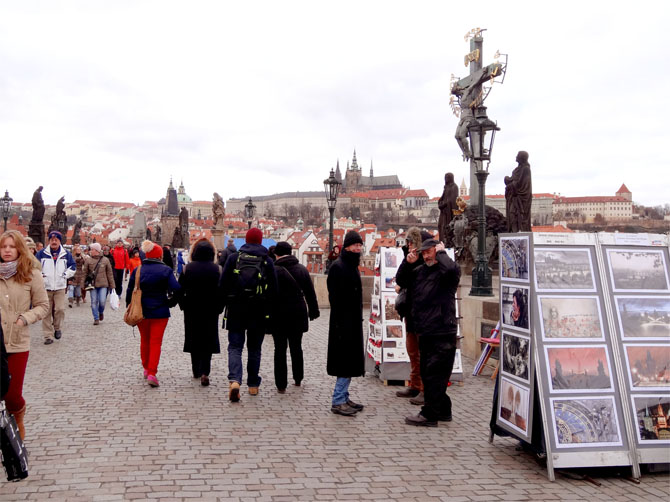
{"points": [[200, 300], [23, 301], [99, 281], [159, 288]]}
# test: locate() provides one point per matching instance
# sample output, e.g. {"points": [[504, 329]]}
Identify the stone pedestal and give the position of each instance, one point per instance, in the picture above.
{"points": [[36, 232], [479, 315], [168, 224], [218, 238]]}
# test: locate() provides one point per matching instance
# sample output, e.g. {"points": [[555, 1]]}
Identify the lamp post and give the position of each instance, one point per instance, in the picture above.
{"points": [[5, 206], [481, 132], [332, 187], [249, 210]]}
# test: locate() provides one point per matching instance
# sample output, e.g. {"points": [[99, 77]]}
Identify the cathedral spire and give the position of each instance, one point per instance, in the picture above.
{"points": [[354, 162], [338, 174], [371, 172]]}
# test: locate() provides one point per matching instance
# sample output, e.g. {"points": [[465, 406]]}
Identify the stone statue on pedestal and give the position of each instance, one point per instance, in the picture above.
{"points": [[148, 234], [446, 205], [76, 231], [519, 195], [218, 210], [38, 206], [159, 234]]}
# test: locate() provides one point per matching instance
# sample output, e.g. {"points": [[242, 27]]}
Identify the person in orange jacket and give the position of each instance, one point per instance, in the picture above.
{"points": [[121, 263]]}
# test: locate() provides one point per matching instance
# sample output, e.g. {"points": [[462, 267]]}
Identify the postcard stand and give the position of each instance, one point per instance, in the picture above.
{"points": [[592, 349]]}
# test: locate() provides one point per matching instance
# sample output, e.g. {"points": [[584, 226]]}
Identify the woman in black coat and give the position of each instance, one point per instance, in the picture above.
{"points": [[201, 304], [346, 357], [290, 313]]}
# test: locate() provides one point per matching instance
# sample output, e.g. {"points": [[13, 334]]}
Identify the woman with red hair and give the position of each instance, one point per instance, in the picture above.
{"points": [[158, 286], [23, 301]]}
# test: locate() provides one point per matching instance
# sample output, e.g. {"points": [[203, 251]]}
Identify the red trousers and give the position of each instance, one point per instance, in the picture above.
{"points": [[17, 362], [151, 339], [414, 361]]}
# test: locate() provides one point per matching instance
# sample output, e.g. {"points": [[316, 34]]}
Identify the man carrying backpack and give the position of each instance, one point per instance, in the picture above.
{"points": [[247, 286]]}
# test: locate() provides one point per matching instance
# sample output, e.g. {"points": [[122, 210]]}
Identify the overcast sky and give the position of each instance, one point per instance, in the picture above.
{"points": [[107, 100]]}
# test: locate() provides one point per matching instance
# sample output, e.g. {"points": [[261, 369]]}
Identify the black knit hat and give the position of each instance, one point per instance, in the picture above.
{"points": [[283, 248], [352, 237], [425, 235]]}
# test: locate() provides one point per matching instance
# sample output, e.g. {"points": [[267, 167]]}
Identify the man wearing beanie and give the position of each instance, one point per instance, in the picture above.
{"points": [[57, 267], [346, 357], [432, 290], [290, 313], [248, 286]]}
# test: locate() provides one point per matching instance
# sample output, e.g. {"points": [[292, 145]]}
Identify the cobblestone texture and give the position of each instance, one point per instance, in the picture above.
{"points": [[96, 431]]}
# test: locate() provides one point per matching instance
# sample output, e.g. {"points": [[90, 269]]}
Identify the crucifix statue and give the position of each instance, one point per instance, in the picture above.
{"points": [[470, 93]]}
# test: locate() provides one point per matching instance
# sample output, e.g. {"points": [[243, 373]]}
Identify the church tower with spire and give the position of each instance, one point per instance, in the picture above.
{"points": [[353, 176], [463, 190]]}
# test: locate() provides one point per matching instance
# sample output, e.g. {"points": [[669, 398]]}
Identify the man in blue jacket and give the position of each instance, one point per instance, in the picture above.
{"points": [[57, 267], [247, 287], [433, 287]]}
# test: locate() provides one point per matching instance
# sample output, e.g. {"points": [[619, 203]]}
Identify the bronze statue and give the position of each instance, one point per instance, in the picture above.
{"points": [[60, 207], [177, 238], [148, 234], [183, 217], [218, 210], [519, 195], [38, 206], [446, 205], [159, 234], [76, 232]]}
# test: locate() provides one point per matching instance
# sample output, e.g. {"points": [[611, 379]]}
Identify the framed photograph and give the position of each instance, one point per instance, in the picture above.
{"points": [[638, 270], [585, 422], [458, 363], [558, 269], [396, 355], [378, 260], [376, 286], [652, 414], [643, 317], [514, 258], [648, 366], [389, 313], [395, 331], [374, 306], [515, 356], [582, 368], [378, 331], [391, 258], [514, 405], [571, 318], [514, 307]]}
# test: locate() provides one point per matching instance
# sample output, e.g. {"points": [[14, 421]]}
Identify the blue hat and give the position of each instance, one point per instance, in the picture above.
{"points": [[55, 233]]}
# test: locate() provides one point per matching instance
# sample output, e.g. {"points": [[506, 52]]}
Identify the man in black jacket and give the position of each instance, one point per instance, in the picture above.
{"points": [[290, 314], [433, 292], [247, 309]]}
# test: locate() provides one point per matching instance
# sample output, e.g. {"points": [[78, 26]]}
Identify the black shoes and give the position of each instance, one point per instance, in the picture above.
{"points": [[102, 316], [420, 421], [343, 409], [418, 400], [355, 406], [444, 418], [58, 334], [408, 392], [48, 341], [204, 380], [281, 391]]}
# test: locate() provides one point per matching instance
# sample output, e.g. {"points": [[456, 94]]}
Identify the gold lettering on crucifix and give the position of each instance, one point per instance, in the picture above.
{"points": [[472, 57]]}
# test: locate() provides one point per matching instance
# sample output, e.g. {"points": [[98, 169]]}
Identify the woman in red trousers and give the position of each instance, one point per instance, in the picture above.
{"points": [[158, 286]]}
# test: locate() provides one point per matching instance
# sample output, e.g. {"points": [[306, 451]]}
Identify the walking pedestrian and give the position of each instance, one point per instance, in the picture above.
{"points": [[121, 264], [98, 267], [295, 302], [346, 358], [135, 260], [159, 293], [77, 281], [57, 267], [23, 301], [199, 299], [248, 286]]}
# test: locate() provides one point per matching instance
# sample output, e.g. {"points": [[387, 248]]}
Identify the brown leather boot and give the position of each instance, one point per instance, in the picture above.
{"points": [[18, 416]]}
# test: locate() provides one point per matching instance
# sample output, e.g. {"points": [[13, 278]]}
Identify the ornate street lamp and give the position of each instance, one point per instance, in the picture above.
{"points": [[481, 132], [249, 210], [5, 207], [332, 187]]}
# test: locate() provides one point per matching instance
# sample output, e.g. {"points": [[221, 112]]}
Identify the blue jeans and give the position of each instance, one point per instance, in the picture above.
{"points": [[98, 298], [235, 346], [74, 291], [341, 392]]}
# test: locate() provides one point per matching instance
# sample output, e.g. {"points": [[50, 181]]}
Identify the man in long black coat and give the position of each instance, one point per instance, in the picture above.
{"points": [[346, 357], [433, 292], [295, 303]]}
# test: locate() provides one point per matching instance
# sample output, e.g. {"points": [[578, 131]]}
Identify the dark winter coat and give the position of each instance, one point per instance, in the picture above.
{"points": [[167, 257], [294, 288], [346, 357], [230, 249], [156, 282], [200, 301], [240, 313], [409, 322], [433, 294]]}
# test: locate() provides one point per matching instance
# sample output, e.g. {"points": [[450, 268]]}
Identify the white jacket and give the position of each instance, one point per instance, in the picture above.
{"points": [[56, 272]]}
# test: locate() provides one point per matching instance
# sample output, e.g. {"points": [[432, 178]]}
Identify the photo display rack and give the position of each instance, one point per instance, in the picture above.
{"points": [[599, 333]]}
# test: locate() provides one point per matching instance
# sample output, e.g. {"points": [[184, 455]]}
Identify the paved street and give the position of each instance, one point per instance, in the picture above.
{"points": [[96, 431]]}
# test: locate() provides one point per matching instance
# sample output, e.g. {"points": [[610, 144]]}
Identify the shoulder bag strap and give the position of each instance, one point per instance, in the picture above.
{"points": [[137, 278]]}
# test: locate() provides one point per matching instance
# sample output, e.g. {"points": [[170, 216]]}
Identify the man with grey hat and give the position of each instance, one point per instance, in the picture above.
{"points": [[57, 267], [432, 287]]}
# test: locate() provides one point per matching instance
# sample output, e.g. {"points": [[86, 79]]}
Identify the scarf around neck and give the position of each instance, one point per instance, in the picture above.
{"points": [[8, 269]]}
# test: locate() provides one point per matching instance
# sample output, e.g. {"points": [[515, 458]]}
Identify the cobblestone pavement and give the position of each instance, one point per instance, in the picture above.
{"points": [[96, 431]]}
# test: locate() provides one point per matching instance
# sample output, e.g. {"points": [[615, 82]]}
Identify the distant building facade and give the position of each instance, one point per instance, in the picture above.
{"points": [[588, 209]]}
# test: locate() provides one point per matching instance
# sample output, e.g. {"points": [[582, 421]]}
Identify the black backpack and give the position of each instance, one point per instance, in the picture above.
{"points": [[251, 282]]}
